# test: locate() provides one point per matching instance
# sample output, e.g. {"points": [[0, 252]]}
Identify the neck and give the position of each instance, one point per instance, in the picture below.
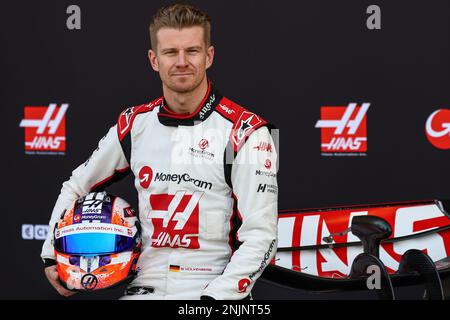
{"points": [[185, 102]]}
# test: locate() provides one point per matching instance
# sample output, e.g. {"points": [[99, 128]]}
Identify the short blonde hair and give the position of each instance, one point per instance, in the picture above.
{"points": [[180, 16]]}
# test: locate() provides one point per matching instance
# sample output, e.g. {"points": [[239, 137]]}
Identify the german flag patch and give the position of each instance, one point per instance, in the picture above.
{"points": [[173, 268]]}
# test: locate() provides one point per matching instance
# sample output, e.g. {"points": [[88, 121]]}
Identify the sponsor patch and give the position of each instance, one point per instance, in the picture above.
{"points": [[94, 228], [89, 281], [245, 125], [243, 285], [175, 219], [207, 107], [126, 118], [265, 173], [201, 150], [271, 188], [265, 260], [145, 177], [226, 109], [264, 146], [179, 178]]}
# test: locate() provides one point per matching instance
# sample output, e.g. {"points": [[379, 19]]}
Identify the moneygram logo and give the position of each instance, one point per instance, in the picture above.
{"points": [[45, 129], [437, 129], [344, 130]]}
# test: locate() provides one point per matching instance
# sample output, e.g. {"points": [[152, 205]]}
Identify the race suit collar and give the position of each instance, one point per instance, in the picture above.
{"points": [[204, 110]]}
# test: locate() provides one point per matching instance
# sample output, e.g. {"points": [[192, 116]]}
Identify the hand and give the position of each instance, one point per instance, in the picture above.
{"points": [[53, 278]]}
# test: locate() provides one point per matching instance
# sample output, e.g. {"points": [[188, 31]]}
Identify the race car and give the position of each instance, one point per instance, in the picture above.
{"points": [[380, 251]]}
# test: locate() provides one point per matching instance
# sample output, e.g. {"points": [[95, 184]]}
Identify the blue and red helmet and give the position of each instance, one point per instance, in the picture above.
{"points": [[97, 242]]}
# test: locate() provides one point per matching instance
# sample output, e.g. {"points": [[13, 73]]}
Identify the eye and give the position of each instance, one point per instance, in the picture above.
{"points": [[169, 52]]}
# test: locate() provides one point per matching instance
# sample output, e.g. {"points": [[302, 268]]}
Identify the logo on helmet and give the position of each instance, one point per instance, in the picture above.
{"points": [[89, 281]]}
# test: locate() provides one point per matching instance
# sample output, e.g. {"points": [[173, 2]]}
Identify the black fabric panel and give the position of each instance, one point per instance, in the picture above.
{"points": [[236, 223], [49, 262], [116, 177], [228, 157], [126, 147]]}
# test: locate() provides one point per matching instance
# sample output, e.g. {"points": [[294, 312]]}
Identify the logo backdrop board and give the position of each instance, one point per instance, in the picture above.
{"points": [[294, 63]]}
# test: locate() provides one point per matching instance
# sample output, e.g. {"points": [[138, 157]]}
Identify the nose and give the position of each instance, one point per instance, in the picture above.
{"points": [[181, 59]]}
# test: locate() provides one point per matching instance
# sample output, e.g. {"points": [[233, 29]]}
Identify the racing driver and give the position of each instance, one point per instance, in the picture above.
{"points": [[205, 171]]}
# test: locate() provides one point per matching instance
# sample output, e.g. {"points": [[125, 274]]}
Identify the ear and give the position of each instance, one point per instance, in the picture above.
{"points": [[209, 57], [153, 60]]}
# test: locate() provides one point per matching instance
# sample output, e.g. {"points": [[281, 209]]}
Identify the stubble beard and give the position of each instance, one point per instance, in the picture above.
{"points": [[185, 88]]}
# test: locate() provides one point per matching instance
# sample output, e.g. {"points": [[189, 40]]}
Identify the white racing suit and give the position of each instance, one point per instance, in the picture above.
{"points": [[207, 193]]}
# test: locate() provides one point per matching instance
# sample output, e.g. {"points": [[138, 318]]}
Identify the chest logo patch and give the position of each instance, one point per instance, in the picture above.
{"points": [[145, 177], [175, 219]]}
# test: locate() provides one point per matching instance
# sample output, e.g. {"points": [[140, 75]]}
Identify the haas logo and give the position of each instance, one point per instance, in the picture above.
{"points": [[89, 281], [45, 128], [175, 220], [343, 129], [437, 128], [203, 144]]}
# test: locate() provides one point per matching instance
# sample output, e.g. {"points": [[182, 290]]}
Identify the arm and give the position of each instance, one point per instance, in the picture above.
{"points": [[255, 193]]}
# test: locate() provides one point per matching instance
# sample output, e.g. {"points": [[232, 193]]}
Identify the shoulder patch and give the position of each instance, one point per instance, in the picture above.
{"points": [[126, 117], [243, 127], [244, 121], [229, 110]]}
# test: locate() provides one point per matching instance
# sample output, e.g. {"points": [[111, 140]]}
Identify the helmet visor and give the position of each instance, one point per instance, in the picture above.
{"points": [[93, 243]]}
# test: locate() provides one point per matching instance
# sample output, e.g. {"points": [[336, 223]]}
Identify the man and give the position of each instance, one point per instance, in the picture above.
{"points": [[205, 172]]}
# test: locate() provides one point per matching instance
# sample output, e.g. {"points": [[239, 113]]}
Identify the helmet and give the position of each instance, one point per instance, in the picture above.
{"points": [[97, 242]]}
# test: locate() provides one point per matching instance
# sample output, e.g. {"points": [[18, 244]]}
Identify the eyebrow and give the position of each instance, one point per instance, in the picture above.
{"points": [[195, 47], [175, 49]]}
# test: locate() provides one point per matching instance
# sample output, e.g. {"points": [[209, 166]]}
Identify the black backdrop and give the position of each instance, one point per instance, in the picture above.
{"points": [[282, 59]]}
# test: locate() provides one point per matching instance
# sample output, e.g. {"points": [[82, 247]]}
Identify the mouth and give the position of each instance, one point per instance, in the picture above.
{"points": [[182, 74]]}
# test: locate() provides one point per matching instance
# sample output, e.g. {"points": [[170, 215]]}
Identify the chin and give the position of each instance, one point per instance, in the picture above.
{"points": [[183, 86]]}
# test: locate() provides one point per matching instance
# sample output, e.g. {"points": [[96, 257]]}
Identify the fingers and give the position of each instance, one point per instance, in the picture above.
{"points": [[53, 278], [64, 292], [53, 275]]}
